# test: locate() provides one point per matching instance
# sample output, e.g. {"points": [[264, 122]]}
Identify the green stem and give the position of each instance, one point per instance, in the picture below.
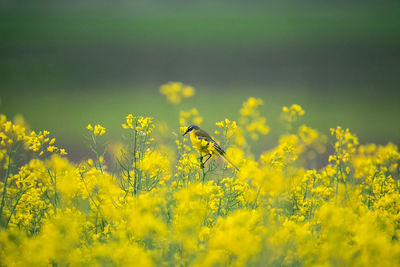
{"points": [[90, 196], [15, 206], [54, 182], [135, 182], [3, 198], [97, 153]]}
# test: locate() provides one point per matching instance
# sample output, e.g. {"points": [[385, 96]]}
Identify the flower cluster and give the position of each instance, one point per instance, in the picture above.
{"points": [[293, 113], [345, 147], [228, 128], [291, 116], [175, 91], [189, 117], [97, 130], [142, 125], [156, 166], [12, 133], [251, 121]]}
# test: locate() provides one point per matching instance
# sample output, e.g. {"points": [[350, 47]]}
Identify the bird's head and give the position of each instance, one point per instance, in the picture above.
{"points": [[191, 128]]}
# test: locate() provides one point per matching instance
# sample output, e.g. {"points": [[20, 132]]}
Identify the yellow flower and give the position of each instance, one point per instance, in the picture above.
{"points": [[156, 166], [250, 106], [220, 124], [293, 113], [228, 127], [189, 117], [187, 91], [129, 120], [198, 120], [99, 130], [251, 122], [175, 91]]}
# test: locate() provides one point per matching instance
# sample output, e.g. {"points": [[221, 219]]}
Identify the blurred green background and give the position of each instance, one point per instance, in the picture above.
{"points": [[64, 64]]}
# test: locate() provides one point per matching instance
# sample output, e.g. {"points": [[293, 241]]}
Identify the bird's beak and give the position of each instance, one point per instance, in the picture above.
{"points": [[186, 132]]}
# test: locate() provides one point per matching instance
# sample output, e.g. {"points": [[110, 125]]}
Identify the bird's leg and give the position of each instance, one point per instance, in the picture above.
{"points": [[209, 156], [201, 161]]}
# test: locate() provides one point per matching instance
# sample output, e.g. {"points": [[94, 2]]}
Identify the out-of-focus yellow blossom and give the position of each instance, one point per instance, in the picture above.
{"points": [[240, 139], [116, 149], [311, 142], [307, 134], [229, 127], [175, 91], [156, 166], [250, 106], [251, 122], [345, 147], [189, 117], [20, 120], [196, 206], [235, 154], [187, 91], [284, 154], [293, 113], [237, 236]]}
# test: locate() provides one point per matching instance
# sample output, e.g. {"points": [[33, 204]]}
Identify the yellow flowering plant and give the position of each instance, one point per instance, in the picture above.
{"points": [[136, 160], [227, 130], [252, 123], [94, 145], [287, 206], [28, 191]]}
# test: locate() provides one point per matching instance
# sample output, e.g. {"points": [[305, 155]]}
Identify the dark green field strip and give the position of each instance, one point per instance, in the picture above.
{"points": [[53, 26], [353, 66]]}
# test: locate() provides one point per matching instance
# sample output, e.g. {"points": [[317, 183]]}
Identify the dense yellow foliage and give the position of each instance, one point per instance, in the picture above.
{"points": [[159, 208]]}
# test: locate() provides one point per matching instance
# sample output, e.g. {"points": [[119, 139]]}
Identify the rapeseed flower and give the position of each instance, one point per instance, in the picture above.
{"points": [[251, 122], [156, 206], [175, 91]]}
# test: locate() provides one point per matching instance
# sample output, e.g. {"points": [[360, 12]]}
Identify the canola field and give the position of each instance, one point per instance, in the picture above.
{"points": [[146, 200]]}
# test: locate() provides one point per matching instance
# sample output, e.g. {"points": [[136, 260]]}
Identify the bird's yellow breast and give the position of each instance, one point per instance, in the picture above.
{"points": [[193, 137], [201, 144]]}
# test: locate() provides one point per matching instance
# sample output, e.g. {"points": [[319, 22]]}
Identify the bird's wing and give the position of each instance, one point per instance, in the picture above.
{"points": [[218, 148], [205, 136]]}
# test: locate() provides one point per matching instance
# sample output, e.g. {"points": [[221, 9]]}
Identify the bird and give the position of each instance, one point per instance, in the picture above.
{"points": [[203, 142]]}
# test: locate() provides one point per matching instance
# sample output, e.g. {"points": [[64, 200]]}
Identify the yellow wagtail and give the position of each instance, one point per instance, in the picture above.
{"points": [[203, 142]]}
